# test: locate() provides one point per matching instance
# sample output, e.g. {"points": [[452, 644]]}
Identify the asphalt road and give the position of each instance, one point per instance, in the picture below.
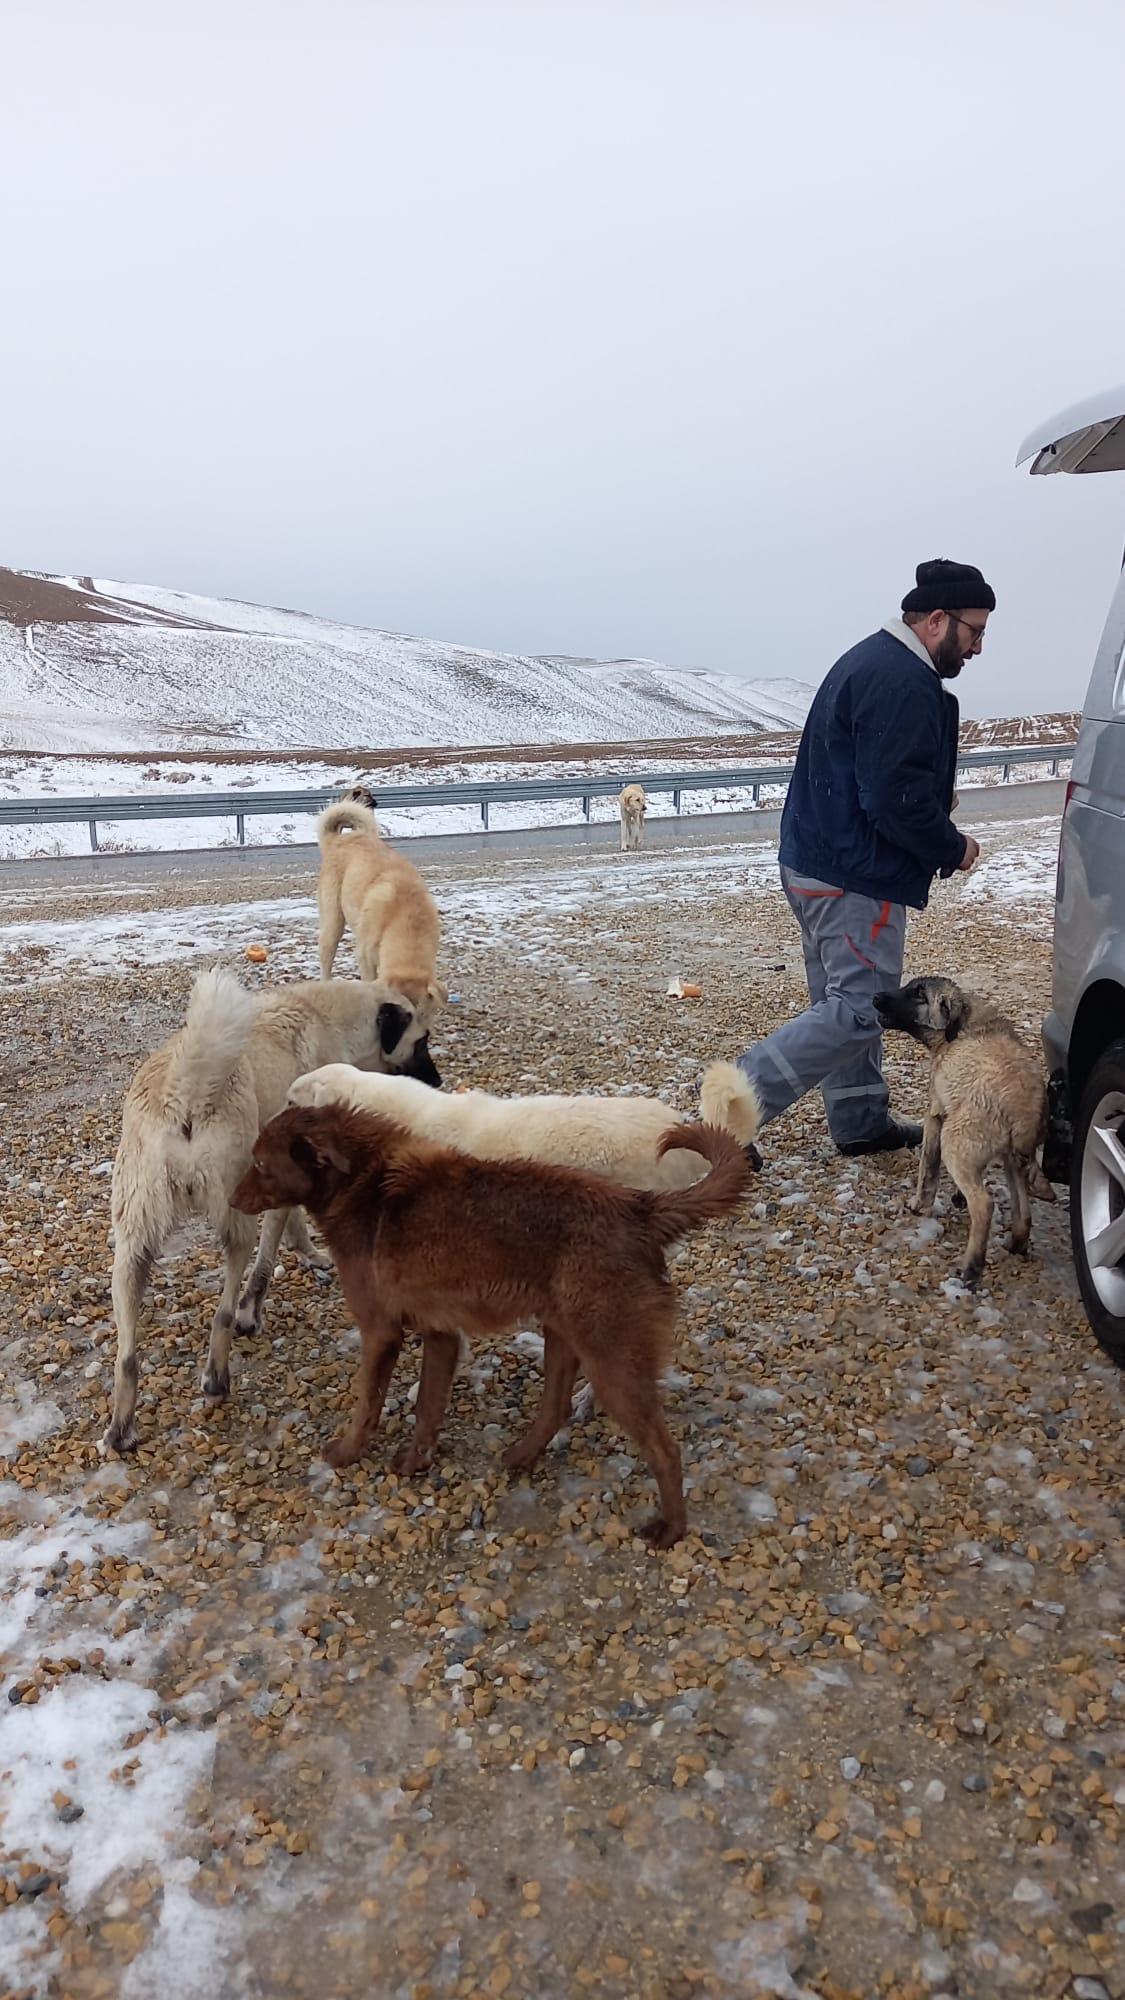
{"points": [[1004, 802]]}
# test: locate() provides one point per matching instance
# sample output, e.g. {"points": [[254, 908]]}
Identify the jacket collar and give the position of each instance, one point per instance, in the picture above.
{"points": [[900, 630]]}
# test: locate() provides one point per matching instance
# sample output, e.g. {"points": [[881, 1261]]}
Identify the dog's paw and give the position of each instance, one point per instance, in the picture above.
{"points": [[662, 1534], [216, 1384], [248, 1318], [410, 1459], [316, 1260], [340, 1451], [971, 1275], [520, 1457], [584, 1405], [914, 1205], [1018, 1246], [121, 1437]]}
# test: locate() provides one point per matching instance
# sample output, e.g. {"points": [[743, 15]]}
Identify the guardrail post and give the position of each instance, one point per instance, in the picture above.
{"points": [[1054, 767], [240, 828], [94, 836], [675, 802], [484, 814], [1005, 770], [586, 805], [755, 794]]}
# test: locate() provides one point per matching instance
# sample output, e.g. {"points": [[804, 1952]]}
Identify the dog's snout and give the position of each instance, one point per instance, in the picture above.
{"points": [[421, 1066]]}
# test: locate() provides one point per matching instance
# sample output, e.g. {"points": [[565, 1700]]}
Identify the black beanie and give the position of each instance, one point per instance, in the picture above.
{"points": [[949, 586]]}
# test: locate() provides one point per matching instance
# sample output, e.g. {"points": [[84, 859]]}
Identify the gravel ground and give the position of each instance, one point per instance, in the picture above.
{"points": [[268, 1732]]}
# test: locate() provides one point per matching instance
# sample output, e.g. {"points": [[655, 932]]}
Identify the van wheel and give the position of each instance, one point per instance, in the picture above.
{"points": [[1097, 1200]]}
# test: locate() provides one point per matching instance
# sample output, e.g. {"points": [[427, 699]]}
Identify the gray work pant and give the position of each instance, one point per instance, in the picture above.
{"points": [[853, 948]]}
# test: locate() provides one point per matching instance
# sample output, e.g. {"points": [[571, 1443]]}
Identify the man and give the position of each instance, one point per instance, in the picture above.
{"points": [[865, 829]]}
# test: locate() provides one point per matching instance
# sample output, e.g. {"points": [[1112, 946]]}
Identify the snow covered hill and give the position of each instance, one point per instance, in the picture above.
{"points": [[88, 665]]}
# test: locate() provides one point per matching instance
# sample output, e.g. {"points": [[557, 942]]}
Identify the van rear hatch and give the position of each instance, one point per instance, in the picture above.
{"points": [[1089, 437]]}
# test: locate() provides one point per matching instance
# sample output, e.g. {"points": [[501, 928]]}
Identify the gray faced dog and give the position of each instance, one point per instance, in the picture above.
{"points": [[988, 1106]]}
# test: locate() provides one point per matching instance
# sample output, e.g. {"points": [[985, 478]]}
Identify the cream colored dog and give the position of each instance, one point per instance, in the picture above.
{"points": [[190, 1119], [393, 917], [615, 1136], [634, 805]]}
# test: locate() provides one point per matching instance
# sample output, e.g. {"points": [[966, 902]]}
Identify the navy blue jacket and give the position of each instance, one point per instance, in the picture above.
{"points": [[868, 804]]}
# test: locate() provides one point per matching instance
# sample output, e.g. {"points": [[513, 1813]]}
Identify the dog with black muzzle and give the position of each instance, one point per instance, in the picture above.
{"points": [[366, 884], [988, 1107], [189, 1121]]}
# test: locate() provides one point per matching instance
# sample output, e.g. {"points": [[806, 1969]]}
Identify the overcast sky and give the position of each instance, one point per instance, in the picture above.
{"points": [[677, 330]]}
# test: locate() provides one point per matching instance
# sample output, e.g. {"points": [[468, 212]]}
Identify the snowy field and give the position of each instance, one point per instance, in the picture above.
{"points": [[85, 663]]}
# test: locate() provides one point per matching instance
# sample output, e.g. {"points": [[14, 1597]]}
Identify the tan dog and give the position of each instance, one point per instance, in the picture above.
{"points": [[432, 1239], [380, 894], [191, 1116], [988, 1106], [634, 805]]}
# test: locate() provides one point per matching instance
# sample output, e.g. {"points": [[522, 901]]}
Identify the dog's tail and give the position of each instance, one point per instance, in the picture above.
{"points": [[347, 816], [684, 1209], [729, 1100], [219, 1018]]}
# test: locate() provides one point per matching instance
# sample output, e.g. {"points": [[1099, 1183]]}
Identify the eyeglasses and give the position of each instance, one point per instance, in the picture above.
{"points": [[976, 630]]}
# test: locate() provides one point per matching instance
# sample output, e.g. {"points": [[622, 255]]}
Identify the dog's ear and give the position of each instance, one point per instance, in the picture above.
{"points": [[439, 991], [953, 1015], [391, 1023], [313, 1154]]}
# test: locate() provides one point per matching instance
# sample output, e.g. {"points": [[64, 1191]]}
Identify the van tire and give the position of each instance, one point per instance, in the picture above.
{"points": [[1097, 1200]]}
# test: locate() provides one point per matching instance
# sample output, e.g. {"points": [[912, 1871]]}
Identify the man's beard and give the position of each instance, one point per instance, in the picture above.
{"points": [[949, 659]]}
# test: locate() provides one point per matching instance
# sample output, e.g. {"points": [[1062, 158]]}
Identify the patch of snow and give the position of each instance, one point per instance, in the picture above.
{"points": [[32, 1416], [73, 1740]]}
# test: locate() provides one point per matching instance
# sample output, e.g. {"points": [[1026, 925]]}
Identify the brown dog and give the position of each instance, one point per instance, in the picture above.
{"points": [[395, 925], [431, 1237]]}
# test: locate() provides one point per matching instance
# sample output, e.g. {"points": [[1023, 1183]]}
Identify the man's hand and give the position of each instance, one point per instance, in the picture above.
{"points": [[971, 854]]}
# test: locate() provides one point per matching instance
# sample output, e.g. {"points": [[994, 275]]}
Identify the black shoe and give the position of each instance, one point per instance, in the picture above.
{"points": [[899, 1133]]}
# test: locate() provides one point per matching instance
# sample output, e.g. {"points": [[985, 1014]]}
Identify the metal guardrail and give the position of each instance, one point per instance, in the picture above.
{"points": [[248, 804]]}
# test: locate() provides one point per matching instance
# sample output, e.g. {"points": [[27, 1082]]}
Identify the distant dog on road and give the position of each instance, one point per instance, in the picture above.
{"points": [[394, 921], [988, 1106], [429, 1238], [634, 805]]}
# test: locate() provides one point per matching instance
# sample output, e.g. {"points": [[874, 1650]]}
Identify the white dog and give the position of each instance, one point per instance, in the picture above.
{"points": [[615, 1136], [634, 805], [190, 1119]]}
